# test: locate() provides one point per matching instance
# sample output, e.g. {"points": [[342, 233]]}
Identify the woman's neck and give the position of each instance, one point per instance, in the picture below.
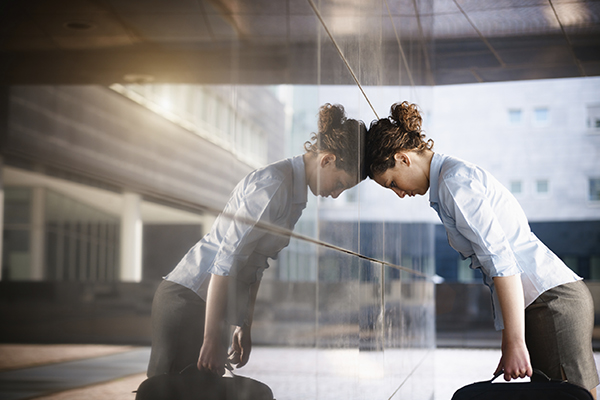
{"points": [[423, 159], [310, 164]]}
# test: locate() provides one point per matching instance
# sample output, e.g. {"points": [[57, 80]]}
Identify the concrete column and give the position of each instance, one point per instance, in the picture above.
{"points": [[38, 238], [1, 210], [131, 238]]}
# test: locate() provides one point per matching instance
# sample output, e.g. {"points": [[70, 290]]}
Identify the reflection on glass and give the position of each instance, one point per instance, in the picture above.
{"points": [[219, 277], [349, 293]]}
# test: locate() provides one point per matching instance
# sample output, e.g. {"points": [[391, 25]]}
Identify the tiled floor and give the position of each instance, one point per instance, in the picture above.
{"points": [[114, 373], [32, 382]]}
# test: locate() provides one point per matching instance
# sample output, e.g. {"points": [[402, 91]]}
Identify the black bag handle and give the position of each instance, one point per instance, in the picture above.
{"points": [[193, 367], [536, 372], [188, 368]]}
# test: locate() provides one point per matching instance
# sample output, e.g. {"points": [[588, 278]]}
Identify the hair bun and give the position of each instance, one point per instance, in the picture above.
{"points": [[331, 116], [406, 116]]}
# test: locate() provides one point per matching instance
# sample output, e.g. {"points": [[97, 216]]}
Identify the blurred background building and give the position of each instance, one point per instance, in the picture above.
{"points": [[125, 125]]}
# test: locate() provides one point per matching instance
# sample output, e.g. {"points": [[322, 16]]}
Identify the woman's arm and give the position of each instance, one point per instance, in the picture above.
{"points": [[213, 352], [241, 345], [515, 356]]}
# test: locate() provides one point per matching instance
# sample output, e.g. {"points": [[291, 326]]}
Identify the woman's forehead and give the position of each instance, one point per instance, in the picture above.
{"points": [[389, 174], [381, 177]]}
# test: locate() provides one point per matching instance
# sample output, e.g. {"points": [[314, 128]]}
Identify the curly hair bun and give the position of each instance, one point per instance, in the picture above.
{"points": [[331, 116], [406, 116]]}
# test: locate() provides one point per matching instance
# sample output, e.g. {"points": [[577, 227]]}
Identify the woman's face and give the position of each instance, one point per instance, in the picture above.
{"points": [[405, 178], [330, 180]]}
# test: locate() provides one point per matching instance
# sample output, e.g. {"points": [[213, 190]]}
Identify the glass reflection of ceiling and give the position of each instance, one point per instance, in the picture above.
{"points": [[100, 41]]}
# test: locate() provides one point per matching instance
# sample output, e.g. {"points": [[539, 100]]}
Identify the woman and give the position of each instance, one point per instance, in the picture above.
{"points": [[544, 309], [216, 282]]}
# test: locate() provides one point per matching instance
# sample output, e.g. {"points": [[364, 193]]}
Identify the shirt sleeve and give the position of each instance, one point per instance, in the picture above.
{"points": [[260, 201], [466, 201]]}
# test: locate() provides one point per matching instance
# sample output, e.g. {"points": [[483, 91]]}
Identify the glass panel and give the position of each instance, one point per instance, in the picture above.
{"points": [[17, 206], [351, 295], [16, 255]]}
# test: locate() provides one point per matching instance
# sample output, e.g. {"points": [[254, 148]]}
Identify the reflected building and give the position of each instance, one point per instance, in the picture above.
{"points": [[61, 224]]}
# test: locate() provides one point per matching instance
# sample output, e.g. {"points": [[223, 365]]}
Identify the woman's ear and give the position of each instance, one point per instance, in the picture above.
{"points": [[327, 159], [402, 158]]}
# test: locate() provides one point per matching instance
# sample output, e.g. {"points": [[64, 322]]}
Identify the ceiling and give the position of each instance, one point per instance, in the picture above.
{"points": [[389, 42]]}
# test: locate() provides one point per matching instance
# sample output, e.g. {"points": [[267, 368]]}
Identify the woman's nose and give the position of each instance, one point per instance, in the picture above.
{"points": [[400, 193]]}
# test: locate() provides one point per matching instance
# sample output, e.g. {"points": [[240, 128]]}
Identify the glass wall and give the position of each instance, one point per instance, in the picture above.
{"points": [[350, 300]]}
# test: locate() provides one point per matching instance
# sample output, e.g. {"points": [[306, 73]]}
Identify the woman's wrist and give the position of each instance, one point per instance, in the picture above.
{"points": [[213, 335], [512, 338]]}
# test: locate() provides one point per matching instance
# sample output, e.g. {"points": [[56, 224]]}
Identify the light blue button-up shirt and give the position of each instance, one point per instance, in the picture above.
{"points": [[484, 222], [235, 246]]}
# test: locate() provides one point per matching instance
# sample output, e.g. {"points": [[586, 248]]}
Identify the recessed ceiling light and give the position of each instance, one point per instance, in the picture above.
{"points": [[79, 26]]}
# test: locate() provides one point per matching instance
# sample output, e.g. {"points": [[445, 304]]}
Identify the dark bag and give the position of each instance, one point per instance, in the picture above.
{"points": [[192, 384], [540, 388]]}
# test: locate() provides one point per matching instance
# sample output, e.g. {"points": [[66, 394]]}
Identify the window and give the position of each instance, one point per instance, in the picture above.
{"points": [[594, 189], [572, 262], [16, 256], [593, 117], [541, 116], [516, 187], [542, 186], [82, 243], [465, 273], [595, 268], [515, 116]]}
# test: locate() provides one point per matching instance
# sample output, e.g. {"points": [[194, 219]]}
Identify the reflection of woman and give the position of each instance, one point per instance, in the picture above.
{"points": [[216, 282], [544, 309]]}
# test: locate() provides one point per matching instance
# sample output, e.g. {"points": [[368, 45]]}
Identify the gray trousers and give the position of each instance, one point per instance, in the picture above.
{"points": [[177, 328]]}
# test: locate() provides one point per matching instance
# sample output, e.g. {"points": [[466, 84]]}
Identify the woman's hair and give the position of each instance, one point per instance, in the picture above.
{"points": [[342, 137], [401, 131]]}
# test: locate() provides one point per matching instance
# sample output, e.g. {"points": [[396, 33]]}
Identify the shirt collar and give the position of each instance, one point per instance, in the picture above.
{"points": [[434, 176], [300, 189]]}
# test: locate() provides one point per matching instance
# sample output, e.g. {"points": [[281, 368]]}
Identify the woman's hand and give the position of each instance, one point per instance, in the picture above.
{"points": [[241, 346], [212, 358], [514, 361]]}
